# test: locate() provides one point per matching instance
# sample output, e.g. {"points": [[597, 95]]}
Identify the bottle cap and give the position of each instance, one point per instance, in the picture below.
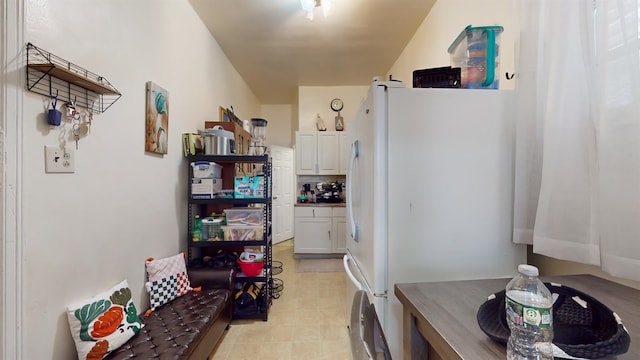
{"points": [[528, 270]]}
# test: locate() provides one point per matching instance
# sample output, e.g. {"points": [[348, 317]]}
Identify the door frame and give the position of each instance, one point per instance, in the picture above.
{"points": [[11, 113]]}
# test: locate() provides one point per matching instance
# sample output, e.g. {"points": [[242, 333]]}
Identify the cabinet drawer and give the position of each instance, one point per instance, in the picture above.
{"points": [[307, 211], [339, 211]]}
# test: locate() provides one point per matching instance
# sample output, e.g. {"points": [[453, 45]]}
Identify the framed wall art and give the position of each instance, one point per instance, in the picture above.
{"points": [[227, 115], [157, 119], [224, 114]]}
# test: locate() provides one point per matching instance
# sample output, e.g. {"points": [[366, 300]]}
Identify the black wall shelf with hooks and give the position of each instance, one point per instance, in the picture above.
{"points": [[51, 75]]}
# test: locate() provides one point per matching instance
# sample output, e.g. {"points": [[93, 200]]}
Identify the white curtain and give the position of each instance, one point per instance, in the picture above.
{"points": [[577, 191]]}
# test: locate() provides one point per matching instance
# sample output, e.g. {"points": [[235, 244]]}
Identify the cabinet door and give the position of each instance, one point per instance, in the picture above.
{"points": [[339, 235], [339, 226], [306, 153], [343, 153], [312, 235], [328, 153]]}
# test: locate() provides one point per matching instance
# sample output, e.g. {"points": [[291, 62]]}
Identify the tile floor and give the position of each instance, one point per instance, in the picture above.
{"points": [[307, 322]]}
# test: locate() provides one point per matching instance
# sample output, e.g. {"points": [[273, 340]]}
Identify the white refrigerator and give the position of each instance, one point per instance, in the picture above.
{"points": [[429, 193]]}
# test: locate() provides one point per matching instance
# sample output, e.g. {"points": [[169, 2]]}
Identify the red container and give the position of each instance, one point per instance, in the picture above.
{"points": [[251, 268]]}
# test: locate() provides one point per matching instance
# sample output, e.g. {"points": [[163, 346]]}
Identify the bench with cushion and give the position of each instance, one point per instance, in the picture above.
{"points": [[188, 327]]}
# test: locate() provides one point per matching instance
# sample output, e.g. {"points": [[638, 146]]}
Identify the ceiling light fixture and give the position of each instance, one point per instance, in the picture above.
{"points": [[310, 5]]}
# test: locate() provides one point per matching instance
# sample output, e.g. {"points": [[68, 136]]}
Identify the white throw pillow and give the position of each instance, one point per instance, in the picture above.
{"points": [[103, 323]]}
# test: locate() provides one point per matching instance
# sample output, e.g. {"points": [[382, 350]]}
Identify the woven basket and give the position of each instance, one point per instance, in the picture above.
{"points": [[583, 327]]}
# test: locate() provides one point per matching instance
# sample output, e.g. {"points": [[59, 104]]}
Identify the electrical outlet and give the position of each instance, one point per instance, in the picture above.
{"points": [[59, 160]]}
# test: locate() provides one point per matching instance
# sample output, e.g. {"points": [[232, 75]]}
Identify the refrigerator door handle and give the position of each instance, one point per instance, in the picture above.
{"points": [[359, 285], [352, 160], [345, 263]]}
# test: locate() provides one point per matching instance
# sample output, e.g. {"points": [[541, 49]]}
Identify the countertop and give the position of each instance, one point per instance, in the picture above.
{"points": [[322, 204], [445, 314]]}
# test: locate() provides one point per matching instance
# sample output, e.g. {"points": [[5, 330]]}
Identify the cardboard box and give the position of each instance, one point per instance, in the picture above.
{"points": [[249, 187], [204, 188]]}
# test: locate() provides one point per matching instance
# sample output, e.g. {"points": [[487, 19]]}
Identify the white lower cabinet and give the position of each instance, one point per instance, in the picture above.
{"points": [[319, 230], [339, 235]]}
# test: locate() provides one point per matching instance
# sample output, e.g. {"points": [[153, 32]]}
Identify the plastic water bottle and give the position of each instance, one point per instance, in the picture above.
{"points": [[196, 232], [529, 312]]}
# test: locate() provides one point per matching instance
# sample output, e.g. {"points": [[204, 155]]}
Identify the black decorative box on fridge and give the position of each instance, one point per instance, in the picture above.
{"points": [[442, 77]]}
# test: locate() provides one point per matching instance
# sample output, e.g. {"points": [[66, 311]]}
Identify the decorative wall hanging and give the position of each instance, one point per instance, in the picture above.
{"points": [[157, 119], [224, 115], [227, 115]]}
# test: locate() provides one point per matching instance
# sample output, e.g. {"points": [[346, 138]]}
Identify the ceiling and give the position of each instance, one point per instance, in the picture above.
{"points": [[275, 48]]}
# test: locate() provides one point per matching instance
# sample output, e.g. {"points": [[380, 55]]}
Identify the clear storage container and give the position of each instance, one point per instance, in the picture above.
{"points": [[206, 169], [244, 216], [243, 233], [212, 229], [476, 52]]}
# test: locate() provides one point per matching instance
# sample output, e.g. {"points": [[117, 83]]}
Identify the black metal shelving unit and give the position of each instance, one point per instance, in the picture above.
{"points": [[199, 207]]}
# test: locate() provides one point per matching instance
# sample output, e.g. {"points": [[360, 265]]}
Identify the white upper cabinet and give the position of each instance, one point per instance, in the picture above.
{"points": [[344, 153], [306, 153], [319, 153], [328, 153]]}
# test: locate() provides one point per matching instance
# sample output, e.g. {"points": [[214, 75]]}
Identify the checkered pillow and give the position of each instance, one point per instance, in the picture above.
{"points": [[167, 279]]}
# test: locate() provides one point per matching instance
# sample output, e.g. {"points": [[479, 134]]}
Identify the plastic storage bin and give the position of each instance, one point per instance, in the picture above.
{"points": [[476, 52], [244, 216], [212, 229], [243, 233], [206, 169]]}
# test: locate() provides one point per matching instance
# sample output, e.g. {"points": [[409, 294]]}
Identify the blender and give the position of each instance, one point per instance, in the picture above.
{"points": [[258, 136]]}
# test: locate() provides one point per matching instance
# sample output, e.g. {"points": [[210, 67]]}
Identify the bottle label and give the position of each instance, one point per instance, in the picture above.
{"points": [[527, 315]]}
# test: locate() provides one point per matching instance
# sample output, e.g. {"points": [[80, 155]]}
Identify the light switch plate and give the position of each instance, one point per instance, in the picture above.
{"points": [[59, 160]]}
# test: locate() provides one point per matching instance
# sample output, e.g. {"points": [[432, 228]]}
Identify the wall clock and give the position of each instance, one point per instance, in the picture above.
{"points": [[337, 105]]}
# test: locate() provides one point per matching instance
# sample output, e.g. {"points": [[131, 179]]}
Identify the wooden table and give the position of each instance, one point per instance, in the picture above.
{"points": [[439, 318]]}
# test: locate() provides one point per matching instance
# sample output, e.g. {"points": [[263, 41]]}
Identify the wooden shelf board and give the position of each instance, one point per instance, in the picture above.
{"points": [[73, 78]]}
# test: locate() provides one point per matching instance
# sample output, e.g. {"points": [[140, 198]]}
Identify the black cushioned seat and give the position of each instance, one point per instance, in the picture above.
{"points": [[187, 327]]}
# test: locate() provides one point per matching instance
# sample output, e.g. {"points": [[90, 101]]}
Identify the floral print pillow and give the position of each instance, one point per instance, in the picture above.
{"points": [[103, 323]]}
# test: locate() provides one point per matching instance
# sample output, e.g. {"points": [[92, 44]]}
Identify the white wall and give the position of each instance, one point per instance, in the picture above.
{"points": [[428, 47], [279, 123], [316, 99], [87, 231]]}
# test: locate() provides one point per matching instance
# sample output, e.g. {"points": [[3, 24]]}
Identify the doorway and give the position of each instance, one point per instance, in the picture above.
{"points": [[283, 193]]}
